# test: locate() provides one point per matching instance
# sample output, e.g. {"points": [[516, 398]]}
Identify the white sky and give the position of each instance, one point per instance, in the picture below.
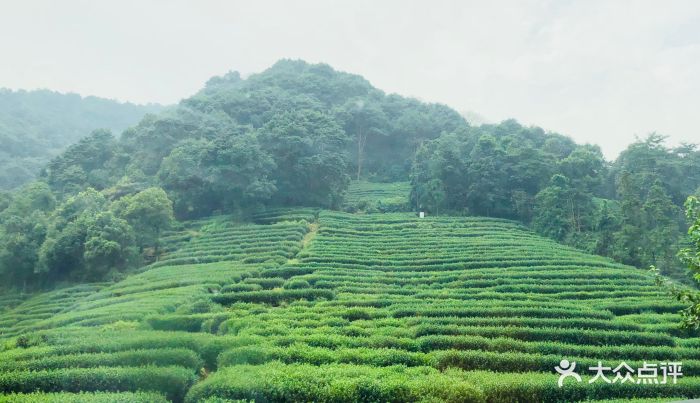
{"points": [[599, 71]]}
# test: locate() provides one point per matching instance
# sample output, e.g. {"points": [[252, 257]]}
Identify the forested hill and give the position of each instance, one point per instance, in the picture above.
{"points": [[37, 125], [295, 135]]}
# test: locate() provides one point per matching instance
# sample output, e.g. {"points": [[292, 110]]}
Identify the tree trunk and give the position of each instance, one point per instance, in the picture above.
{"points": [[361, 140], [157, 244], [574, 221]]}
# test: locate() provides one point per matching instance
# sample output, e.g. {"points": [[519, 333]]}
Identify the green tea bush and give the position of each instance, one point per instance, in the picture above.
{"points": [[274, 297], [253, 355], [299, 353], [186, 323], [173, 382], [136, 358], [534, 387], [356, 314], [266, 283], [241, 287], [333, 383], [77, 341], [97, 397], [378, 307], [295, 284]]}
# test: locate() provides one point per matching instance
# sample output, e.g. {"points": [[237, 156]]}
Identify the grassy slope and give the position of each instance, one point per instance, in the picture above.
{"points": [[473, 309]]}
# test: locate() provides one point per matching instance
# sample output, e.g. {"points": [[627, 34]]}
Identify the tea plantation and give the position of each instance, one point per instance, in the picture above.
{"points": [[378, 197], [309, 305]]}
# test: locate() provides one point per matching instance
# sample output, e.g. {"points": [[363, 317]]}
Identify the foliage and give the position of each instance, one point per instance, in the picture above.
{"points": [[309, 150], [298, 303], [96, 397], [629, 210], [691, 257], [79, 240], [286, 137], [334, 383], [35, 126], [148, 212], [171, 381], [376, 307], [377, 197]]}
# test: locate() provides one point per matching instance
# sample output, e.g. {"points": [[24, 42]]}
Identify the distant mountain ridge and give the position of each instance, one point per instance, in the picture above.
{"points": [[37, 125]]}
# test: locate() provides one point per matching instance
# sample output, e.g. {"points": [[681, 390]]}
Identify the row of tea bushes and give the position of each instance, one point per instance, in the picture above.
{"points": [[276, 215], [173, 382], [131, 358], [333, 383], [229, 241], [41, 307], [276, 382], [327, 306], [84, 397], [377, 197], [445, 293]]}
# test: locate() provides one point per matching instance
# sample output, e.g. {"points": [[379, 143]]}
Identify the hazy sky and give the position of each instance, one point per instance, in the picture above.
{"points": [[599, 71]]}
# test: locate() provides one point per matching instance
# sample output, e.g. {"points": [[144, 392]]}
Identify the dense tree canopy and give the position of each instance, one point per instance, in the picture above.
{"points": [[291, 135], [629, 209], [294, 135], [37, 125]]}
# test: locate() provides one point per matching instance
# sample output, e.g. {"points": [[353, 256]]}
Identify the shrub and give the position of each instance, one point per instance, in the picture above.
{"points": [[276, 382], [356, 314], [97, 397], [186, 323], [446, 297], [273, 297], [201, 306], [266, 282], [173, 382], [137, 358], [295, 284], [241, 287], [540, 387], [253, 355]]}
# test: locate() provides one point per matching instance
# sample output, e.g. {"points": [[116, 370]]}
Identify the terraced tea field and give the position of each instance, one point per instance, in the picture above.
{"points": [[308, 305], [378, 197]]}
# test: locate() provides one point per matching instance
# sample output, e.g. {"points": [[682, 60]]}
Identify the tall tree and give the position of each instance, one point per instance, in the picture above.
{"points": [[20, 240], [110, 246], [82, 165], [61, 254], [308, 148], [487, 193], [605, 228], [690, 256], [629, 239], [583, 168], [660, 229], [149, 212], [365, 119], [553, 212]]}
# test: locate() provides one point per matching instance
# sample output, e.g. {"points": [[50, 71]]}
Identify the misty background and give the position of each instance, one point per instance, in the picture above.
{"points": [[598, 71]]}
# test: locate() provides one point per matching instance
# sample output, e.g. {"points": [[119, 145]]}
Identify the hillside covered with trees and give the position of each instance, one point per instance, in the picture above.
{"points": [[36, 126], [260, 241], [296, 134]]}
